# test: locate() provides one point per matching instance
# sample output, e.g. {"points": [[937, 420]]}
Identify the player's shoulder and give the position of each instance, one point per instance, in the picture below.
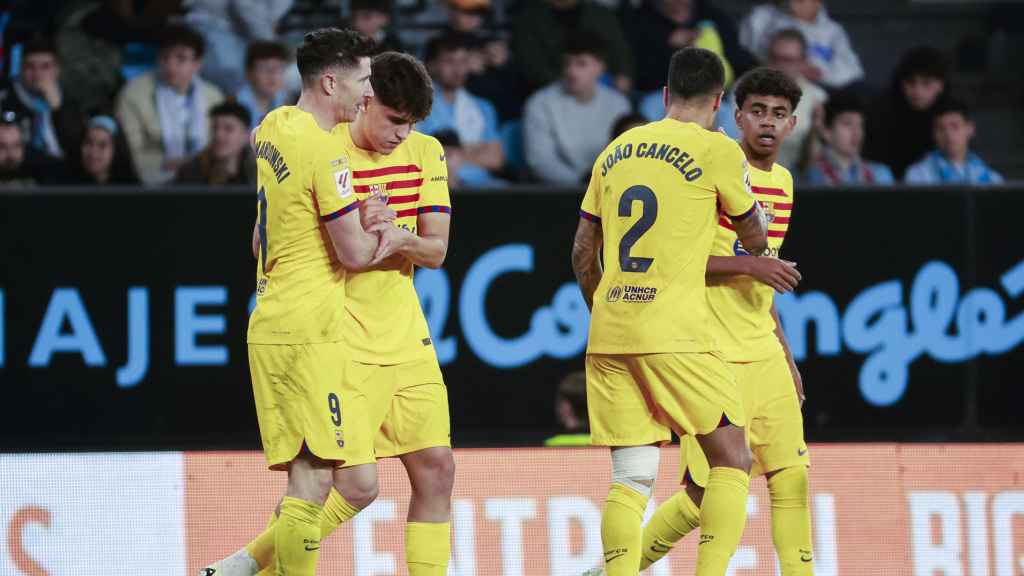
{"points": [[784, 176], [422, 143]]}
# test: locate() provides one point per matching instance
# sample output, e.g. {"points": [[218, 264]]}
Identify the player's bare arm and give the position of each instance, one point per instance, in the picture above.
{"points": [[429, 246], [781, 275], [375, 210], [256, 239], [798, 381], [355, 247], [752, 230], [586, 262]]}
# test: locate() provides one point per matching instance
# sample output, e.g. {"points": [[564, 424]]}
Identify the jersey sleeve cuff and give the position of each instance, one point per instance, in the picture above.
{"points": [[591, 217], [339, 213], [436, 208], [745, 214]]}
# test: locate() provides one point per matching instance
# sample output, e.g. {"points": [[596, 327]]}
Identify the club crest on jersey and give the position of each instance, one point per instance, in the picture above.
{"points": [[343, 180], [769, 210], [377, 189]]}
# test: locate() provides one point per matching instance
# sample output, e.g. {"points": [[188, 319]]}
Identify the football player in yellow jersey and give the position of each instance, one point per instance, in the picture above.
{"points": [[651, 363], [309, 234], [391, 358], [741, 294]]}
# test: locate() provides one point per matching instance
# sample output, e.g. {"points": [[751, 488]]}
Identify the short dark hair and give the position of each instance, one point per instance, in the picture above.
{"points": [[789, 34], [383, 6], [841, 102], [445, 43], [952, 105], [695, 72], [234, 109], [264, 51], [584, 42], [174, 35], [767, 82], [400, 81], [39, 45], [922, 61], [331, 47]]}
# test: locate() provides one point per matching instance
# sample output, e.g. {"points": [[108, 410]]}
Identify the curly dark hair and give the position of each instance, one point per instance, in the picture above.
{"points": [[767, 82], [174, 35], [331, 47], [401, 82]]}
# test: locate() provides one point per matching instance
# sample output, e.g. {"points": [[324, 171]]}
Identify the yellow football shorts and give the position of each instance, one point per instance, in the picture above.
{"points": [[301, 397], [639, 399], [407, 408], [775, 429]]}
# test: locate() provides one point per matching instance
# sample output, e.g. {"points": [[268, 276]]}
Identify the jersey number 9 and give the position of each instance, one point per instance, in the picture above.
{"points": [[646, 196]]}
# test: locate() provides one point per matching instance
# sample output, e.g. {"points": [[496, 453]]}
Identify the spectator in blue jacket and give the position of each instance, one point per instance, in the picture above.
{"points": [[952, 162]]}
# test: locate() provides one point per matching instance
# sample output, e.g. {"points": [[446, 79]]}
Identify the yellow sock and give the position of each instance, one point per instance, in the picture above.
{"points": [[262, 547], [336, 512], [723, 515], [620, 530], [791, 521], [427, 548], [297, 537], [675, 518]]}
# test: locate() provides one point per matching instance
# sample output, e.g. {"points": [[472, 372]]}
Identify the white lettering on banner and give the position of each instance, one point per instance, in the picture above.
{"points": [[1005, 507], [65, 514], [826, 550], [942, 556], [563, 513], [368, 560], [463, 558], [977, 533], [894, 335], [511, 512], [947, 556]]}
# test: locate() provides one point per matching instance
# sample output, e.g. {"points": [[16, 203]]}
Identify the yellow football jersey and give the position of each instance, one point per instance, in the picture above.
{"points": [[384, 323], [303, 181], [654, 190], [741, 306]]}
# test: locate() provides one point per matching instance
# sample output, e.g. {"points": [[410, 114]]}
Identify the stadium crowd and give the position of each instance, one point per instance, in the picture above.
{"points": [[165, 91]]}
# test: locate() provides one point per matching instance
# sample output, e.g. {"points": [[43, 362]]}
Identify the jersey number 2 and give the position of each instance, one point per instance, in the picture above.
{"points": [[646, 196], [262, 196]]}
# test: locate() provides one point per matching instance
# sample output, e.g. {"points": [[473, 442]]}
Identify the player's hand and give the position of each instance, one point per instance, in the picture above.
{"points": [[392, 240], [374, 210], [799, 381], [781, 275]]}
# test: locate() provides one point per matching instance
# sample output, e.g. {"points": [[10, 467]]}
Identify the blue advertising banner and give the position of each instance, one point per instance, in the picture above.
{"points": [[123, 316]]}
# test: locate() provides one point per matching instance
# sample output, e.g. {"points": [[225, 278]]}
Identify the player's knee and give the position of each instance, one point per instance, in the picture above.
{"points": [[358, 486], [789, 486], [727, 447], [636, 467], [435, 473]]}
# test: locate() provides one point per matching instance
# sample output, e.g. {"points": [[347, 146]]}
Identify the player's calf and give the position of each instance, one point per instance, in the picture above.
{"points": [[357, 484], [428, 533], [791, 520], [634, 469], [723, 512]]}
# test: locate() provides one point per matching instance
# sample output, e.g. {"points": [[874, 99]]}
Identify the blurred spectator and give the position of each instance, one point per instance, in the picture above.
{"points": [[462, 173], [164, 113], [542, 27], [566, 125], [500, 80], [900, 126], [20, 166], [832, 60], [626, 122], [57, 122], [952, 162], [472, 118], [228, 159], [228, 26], [103, 157], [373, 18], [839, 161], [660, 27], [787, 51], [264, 89], [571, 412], [468, 16]]}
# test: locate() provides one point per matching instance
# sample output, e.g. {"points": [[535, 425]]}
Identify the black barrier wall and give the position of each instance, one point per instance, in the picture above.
{"points": [[123, 316]]}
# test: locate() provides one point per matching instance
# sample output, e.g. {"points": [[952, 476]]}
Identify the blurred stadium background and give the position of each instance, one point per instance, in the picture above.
{"points": [[126, 281]]}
